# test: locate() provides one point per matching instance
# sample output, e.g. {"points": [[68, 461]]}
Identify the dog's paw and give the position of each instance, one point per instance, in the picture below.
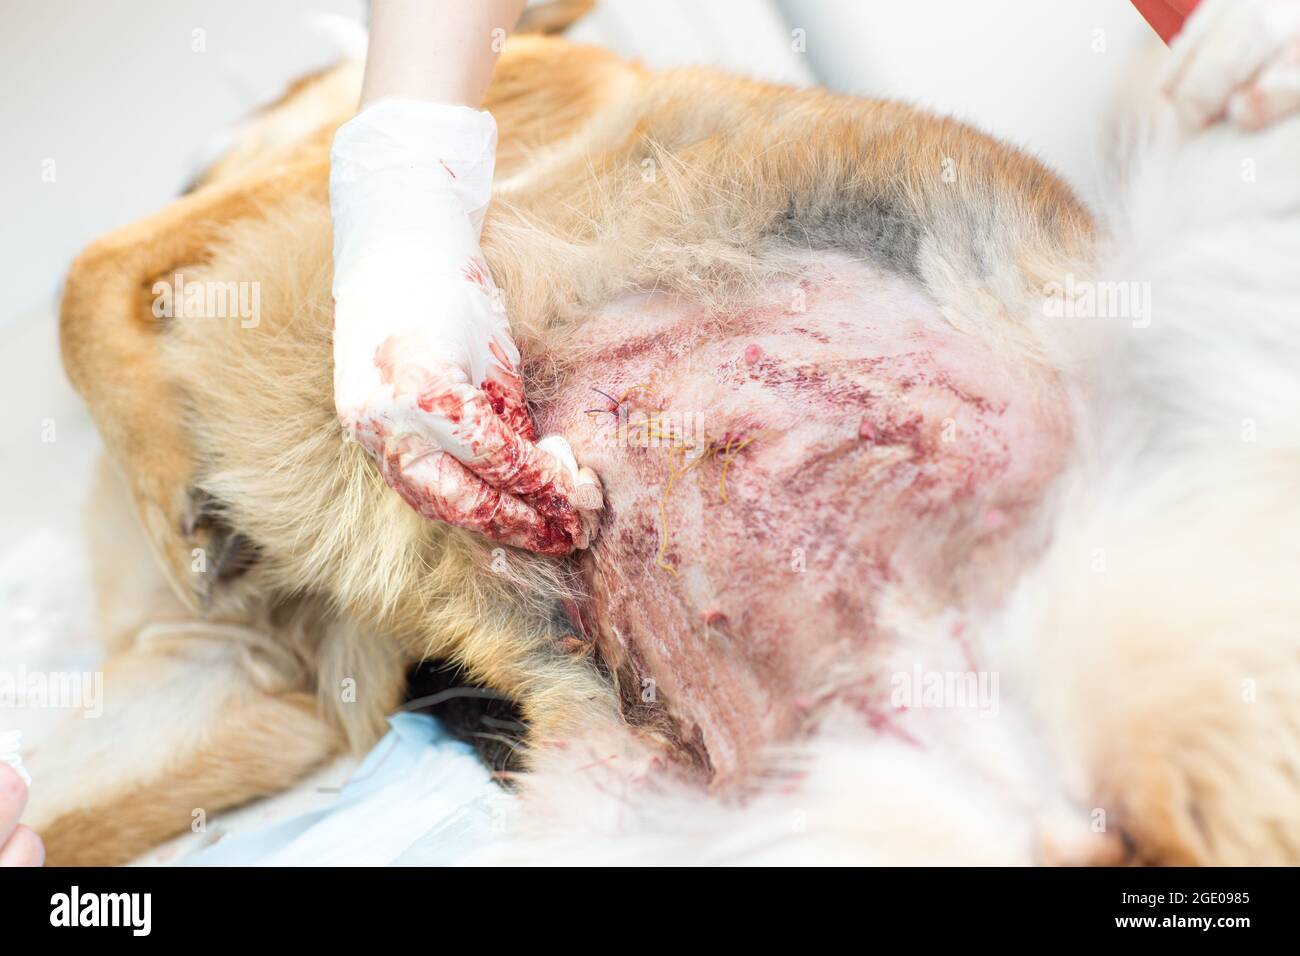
{"points": [[200, 554], [1237, 60], [218, 553]]}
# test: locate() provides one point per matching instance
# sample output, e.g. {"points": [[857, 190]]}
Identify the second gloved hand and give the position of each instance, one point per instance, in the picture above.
{"points": [[426, 374]]}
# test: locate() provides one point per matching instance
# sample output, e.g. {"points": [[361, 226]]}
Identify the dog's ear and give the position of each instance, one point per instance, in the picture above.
{"points": [[111, 343], [554, 17]]}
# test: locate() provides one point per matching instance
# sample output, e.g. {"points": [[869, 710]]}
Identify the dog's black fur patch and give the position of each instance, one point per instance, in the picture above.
{"points": [[485, 719]]}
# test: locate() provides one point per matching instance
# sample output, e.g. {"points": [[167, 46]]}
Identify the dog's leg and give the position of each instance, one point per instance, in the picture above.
{"points": [[1161, 628], [195, 719]]}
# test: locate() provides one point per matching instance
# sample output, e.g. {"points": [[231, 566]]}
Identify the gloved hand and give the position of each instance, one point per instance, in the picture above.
{"points": [[1238, 59], [426, 374]]}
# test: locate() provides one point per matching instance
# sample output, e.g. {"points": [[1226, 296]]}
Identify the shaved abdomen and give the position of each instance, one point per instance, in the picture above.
{"points": [[789, 484]]}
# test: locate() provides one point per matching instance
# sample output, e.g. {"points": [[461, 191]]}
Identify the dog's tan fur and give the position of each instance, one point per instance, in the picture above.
{"points": [[350, 584]]}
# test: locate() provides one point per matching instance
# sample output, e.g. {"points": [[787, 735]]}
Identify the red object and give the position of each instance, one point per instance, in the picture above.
{"points": [[1166, 16]]}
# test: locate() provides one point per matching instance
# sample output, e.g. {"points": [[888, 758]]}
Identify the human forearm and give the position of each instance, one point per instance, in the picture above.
{"points": [[419, 50]]}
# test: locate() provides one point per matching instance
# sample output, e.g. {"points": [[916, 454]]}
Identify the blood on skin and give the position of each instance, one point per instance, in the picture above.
{"points": [[878, 440], [715, 619]]}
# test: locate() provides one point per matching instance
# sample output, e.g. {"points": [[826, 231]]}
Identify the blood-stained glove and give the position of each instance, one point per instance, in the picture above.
{"points": [[426, 373]]}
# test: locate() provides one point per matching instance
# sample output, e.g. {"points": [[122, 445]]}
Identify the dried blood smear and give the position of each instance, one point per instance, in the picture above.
{"points": [[440, 489], [847, 466]]}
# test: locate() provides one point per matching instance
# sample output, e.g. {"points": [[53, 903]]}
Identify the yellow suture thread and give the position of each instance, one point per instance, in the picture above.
{"points": [[655, 428], [677, 452], [728, 456], [634, 388]]}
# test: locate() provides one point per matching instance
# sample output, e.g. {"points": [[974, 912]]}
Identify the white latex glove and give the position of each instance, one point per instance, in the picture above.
{"points": [[1238, 59], [425, 370]]}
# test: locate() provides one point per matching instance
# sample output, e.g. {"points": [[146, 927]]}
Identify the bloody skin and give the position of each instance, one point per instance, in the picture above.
{"points": [[787, 485]]}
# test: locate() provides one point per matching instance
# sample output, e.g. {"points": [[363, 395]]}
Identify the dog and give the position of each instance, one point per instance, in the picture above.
{"points": [[910, 554]]}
